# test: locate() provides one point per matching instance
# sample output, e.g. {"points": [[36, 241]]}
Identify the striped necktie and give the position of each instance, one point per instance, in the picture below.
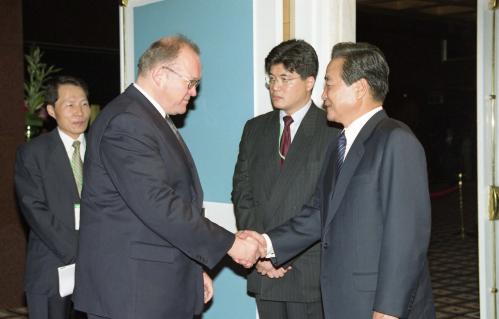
{"points": [[77, 166], [342, 143], [285, 138]]}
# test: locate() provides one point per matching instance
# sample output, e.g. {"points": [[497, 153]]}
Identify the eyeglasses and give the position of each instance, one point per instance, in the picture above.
{"points": [[272, 80], [190, 83]]}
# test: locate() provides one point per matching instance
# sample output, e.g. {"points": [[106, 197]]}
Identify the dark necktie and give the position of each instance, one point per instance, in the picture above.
{"points": [[342, 143], [285, 138], [177, 134]]}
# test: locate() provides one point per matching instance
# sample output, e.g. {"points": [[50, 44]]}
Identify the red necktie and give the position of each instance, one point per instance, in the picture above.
{"points": [[285, 138]]}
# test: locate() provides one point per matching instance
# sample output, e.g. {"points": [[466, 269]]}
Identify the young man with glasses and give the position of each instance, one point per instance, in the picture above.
{"points": [[280, 156]]}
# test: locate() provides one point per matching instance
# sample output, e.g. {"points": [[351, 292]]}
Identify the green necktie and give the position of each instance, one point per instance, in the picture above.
{"points": [[77, 166]]}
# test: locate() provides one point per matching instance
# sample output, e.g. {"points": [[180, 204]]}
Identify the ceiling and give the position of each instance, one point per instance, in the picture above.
{"points": [[442, 9]]}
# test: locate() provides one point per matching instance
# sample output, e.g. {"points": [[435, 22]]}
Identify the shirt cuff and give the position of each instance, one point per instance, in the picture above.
{"points": [[270, 248]]}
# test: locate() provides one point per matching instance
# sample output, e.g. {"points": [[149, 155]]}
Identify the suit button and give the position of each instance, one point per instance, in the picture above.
{"points": [[324, 245]]}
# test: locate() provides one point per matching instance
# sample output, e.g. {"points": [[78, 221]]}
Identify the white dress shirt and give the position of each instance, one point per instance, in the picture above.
{"points": [[354, 128], [152, 100], [297, 119], [68, 144]]}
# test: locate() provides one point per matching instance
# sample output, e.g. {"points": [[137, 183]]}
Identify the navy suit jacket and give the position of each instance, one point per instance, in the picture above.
{"points": [[46, 192], [374, 224], [143, 237]]}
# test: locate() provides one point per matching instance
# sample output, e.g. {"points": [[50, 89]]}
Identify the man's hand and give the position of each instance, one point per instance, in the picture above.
{"points": [[208, 287], [379, 315], [265, 268], [262, 243], [245, 251]]}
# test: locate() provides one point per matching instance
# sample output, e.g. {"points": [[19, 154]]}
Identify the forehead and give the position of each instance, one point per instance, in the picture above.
{"points": [[70, 90], [279, 69], [189, 59], [335, 67]]}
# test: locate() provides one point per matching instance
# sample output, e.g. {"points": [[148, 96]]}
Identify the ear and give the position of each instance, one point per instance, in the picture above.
{"points": [[156, 74], [51, 110], [361, 88], [310, 82]]}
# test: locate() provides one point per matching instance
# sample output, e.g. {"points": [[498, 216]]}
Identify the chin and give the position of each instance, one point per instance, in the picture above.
{"points": [[279, 107], [330, 117]]}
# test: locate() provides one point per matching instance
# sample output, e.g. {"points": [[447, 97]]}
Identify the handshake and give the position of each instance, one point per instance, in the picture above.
{"points": [[250, 248]]}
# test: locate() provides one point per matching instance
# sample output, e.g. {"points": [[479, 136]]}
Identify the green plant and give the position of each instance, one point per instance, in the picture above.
{"points": [[34, 88]]}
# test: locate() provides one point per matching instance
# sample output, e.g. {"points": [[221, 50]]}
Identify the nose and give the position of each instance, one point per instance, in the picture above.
{"points": [[324, 94], [193, 91], [276, 86], [79, 110]]}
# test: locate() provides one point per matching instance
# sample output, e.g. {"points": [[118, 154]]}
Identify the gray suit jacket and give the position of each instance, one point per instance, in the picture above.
{"points": [[265, 195], [374, 224], [46, 192], [143, 237]]}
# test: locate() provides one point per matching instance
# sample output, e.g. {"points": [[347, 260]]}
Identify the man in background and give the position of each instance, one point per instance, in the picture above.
{"points": [[48, 179], [143, 238], [280, 156]]}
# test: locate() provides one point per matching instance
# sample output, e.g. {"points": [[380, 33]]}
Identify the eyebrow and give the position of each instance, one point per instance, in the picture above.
{"points": [[281, 75]]}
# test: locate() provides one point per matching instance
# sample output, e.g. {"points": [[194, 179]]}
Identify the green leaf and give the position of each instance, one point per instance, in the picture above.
{"points": [[34, 88]]}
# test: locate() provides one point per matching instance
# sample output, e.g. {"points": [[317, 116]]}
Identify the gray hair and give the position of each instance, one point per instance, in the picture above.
{"points": [[364, 61], [165, 49]]}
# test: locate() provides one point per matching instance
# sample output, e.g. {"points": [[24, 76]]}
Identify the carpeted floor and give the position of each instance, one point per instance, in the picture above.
{"points": [[453, 256]]}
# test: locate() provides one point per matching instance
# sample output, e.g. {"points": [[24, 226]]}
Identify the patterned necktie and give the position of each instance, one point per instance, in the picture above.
{"points": [[77, 166], [285, 138], [342, 143]]}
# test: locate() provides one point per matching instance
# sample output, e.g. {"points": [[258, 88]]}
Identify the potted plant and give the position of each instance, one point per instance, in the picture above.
{"points": [[34, 89]]}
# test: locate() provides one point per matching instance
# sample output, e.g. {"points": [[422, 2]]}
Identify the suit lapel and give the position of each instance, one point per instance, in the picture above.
{"points": [[352, 160], [59, 160], [169, 136], [296, 157], [270, 153]]}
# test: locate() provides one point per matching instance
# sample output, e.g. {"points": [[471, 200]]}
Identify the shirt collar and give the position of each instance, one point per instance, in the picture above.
{"points": [[356, 126], [68, 141], [155, 103], [298, 115]]}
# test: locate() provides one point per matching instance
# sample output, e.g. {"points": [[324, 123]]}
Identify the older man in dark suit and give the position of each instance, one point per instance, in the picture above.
{"points": [[143, 237], [48, 182], [371, 207], [280, 156]]}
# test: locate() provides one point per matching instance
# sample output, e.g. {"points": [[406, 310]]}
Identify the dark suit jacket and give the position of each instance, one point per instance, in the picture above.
{"points": [[46, 192], [265, 195], [374, 224], [143, 238]]}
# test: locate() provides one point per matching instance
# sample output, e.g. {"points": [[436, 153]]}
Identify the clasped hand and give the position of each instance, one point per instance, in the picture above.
{"points": [[265, 268], [248, 247]]}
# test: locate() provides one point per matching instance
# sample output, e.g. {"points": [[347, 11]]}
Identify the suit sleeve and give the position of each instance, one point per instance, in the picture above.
{"points": [[407, 223], [30, 189], [298, 233], [131, 155], [242, 193], [305, 229]]}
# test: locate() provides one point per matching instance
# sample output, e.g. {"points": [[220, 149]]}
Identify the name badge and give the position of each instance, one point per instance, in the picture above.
{"points": [[77, 216]]}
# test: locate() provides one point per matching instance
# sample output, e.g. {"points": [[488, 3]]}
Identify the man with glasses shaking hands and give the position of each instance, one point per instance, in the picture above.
{"points": [[280, 157], [143, 237]]}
